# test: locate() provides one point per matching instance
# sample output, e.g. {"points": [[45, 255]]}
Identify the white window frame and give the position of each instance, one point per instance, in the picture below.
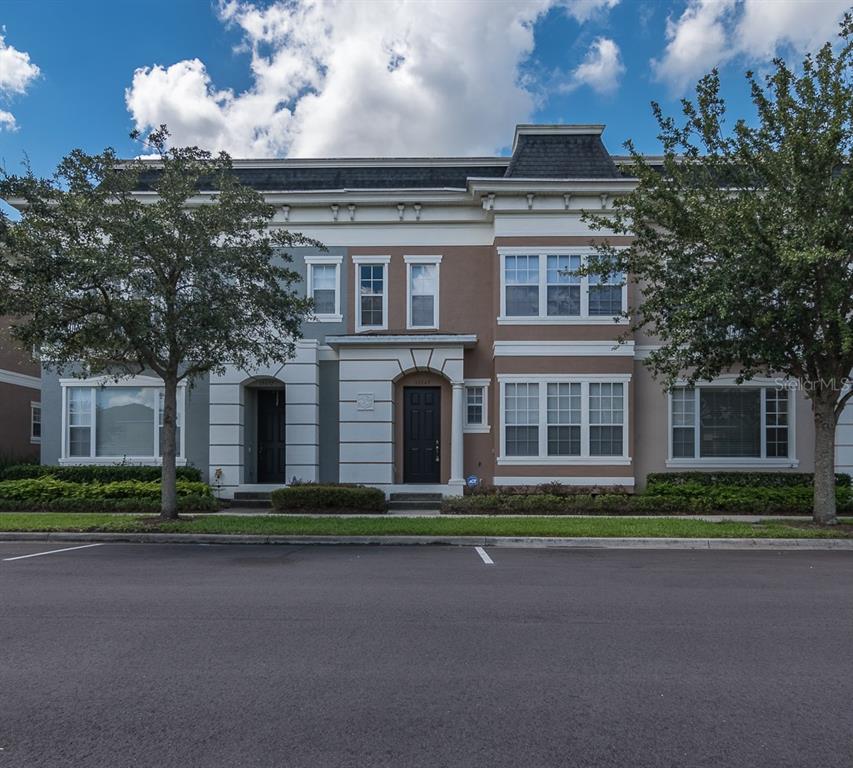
{"points": [[93, 384], [335, 261], [736, 462], [35, 406], [358, 262], [543, 318], [484, 427], [422, 260], [584, 458]]}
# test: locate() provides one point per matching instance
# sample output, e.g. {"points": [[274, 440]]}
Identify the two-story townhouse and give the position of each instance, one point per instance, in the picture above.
{"points": [[20, 400], [451, 340]]}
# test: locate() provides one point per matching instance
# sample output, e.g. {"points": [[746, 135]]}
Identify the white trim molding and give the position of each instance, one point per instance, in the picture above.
{"points": [[365, 261], [19, 379], [434, 261], [334, 261], [573, 480], [563, 349]]}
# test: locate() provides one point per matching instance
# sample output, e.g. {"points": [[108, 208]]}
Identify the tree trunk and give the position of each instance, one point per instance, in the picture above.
{"points": [[824, 460], [168, 479]]}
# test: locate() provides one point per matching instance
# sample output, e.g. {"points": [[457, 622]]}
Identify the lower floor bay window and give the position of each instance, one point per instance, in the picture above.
{"points": [[116, 421], [563, 420], [733, 424]]}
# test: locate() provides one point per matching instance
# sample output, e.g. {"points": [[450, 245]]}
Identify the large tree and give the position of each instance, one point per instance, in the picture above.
{"points": [[105, 280], [743, 240]]}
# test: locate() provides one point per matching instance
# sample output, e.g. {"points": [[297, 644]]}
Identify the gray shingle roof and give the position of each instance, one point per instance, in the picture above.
{"points": [[561, 156]]}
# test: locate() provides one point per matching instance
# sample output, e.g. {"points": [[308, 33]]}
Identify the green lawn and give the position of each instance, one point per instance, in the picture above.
{"points": [[441, 526]]}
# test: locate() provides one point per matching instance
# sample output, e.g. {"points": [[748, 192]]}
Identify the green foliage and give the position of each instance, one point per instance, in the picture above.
{"points": [[678, 498], [343, 498], [766, 479], [90, 473], [189, 503], [48, 488]]}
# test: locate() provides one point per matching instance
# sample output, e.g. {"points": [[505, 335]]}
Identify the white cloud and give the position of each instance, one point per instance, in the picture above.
{"points": [[369, 78], [601, 68], [16, 74], [584, 10], [710, 33]]}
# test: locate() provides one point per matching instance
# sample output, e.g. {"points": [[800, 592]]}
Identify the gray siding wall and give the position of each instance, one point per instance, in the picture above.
{"points": [[329, 421]]}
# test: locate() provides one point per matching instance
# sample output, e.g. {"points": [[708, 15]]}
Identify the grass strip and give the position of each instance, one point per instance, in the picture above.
{"points": [[428, 526]]}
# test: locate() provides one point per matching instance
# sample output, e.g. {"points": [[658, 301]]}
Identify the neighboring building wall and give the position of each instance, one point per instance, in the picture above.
{"points": [[844, 440], [20, 393]]}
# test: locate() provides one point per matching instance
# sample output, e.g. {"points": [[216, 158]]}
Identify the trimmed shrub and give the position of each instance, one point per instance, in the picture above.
{"points": [[342, 498], [673, 500], [756, 479], [142, 506], [96, 473], [48, 488]]}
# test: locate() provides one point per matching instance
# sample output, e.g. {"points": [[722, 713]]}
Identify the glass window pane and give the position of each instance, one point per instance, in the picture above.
{"points": [[564, 441], [323, 276], [730, 422], [563, 269], [324, 301], [683, 442], [522, 301], [605, 300], [423, 311], [423, 278], [371, 290], [605, 441], [80, 406], [474, 405], [521, 275], [776, 418], [564, 300], [521, 412], [125, 421], [606, 403]]}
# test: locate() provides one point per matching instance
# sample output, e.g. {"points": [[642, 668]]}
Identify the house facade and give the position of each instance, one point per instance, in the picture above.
{"points": [[451, 341], [20, 400]]}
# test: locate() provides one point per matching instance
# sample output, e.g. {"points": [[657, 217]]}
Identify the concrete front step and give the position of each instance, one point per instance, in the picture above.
{"points": [[415, 497], [401, 506]]}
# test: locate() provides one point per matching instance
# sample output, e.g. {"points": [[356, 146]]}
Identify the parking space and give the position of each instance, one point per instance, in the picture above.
{"points": [[174, 655]]}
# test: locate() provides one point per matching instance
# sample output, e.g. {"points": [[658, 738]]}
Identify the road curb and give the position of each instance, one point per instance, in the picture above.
{"points": [[536, 542]]}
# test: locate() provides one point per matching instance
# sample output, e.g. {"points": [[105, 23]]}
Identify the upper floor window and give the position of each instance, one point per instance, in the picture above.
{"points": [[563, 419], [546, 288], [324, 274], [730, 424], [116, 421], [422, 291], [371, 292]]}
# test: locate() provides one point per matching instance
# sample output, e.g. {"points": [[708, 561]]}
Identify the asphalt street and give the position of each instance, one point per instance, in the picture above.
{"points": [[125, 655]]}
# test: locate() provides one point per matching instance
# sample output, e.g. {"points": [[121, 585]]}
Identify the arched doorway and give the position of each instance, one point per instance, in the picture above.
{"points": [[265, 431]]}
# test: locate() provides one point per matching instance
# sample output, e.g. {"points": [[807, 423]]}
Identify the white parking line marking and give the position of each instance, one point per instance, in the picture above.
{"points": [[482, 553], [51, 552]]}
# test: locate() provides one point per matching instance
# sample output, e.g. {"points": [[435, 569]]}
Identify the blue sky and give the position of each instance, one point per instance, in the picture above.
{"points": [[370, 78]]}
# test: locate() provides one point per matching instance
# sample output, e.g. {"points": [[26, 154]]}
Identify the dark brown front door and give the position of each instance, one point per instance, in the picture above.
{"points": [[421, 434], [271, 423]]}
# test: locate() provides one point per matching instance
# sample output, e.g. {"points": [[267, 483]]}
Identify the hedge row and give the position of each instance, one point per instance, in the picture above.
{"points": [[107, 473], [142, 506], [331, 498], [48, 488], [692, 500], [752, 479]]}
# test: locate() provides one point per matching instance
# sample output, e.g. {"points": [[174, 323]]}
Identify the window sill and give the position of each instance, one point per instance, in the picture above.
{"points": [[565, 461], [477, 429], [596, 320], [148, 461], [733, 463], [326, 319], [370, 328], [421, 327]]}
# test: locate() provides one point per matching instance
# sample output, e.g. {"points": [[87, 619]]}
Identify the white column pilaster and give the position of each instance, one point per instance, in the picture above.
{"points": [[456, 435]]}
